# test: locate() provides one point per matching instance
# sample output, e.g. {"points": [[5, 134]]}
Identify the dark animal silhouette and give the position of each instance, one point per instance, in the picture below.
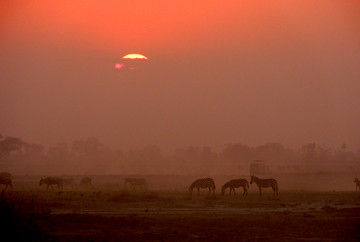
{"points": [[6, 181], [51, 181], [235, 183], [6, 175], [203, 183], [357, 184], [265, 183]]}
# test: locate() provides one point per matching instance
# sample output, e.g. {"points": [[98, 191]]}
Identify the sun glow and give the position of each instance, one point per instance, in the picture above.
{"points": [[119, 65], [135, 56]]}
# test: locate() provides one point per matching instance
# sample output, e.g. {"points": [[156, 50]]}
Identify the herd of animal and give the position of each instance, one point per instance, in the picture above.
{"points": [[6, 180], [60, 182], [235, 183], [133, 183]]}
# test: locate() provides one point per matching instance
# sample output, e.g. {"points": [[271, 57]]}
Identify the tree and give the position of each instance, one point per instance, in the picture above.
{"points": [[33, 149], [207, 155], [237, 152], [9, 144], [60, 150], [89, 147], [151, 153], [309, 151]]}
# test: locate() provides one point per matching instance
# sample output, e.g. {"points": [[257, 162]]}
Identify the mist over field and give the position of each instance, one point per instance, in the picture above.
{"points": [[309, 167]]}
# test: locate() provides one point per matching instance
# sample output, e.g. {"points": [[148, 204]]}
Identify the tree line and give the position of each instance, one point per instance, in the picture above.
{"points": [[90, 156]]}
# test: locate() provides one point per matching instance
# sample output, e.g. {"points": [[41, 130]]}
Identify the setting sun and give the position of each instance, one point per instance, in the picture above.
{"points": [[180, 120], [135, 56]]}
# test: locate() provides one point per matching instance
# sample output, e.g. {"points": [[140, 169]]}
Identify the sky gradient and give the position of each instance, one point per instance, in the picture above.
{"points": [[218, 72]]}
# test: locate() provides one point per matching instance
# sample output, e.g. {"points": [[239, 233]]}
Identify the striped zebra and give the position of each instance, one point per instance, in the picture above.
{"points": [[135, 182], [50, 181], [6, 181], [203, 183], [357, 184], [265, 183], [6, 175], [86, 181], [236, 183]]}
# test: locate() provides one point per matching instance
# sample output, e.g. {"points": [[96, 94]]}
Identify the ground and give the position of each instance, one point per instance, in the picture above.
{"points": [[109, 213]]}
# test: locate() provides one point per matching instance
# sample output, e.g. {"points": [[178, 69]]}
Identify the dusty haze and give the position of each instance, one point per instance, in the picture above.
{"points": [[219, 73]]}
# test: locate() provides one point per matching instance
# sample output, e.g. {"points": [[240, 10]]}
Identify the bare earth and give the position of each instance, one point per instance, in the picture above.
{"points": [[109, 213]]}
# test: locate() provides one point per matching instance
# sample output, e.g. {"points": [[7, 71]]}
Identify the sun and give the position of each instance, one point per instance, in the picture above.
{"points": [[135, 56], [130, 61]]}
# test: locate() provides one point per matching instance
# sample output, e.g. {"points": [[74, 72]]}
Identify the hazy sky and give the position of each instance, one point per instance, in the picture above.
{"points": [[219, 72]]}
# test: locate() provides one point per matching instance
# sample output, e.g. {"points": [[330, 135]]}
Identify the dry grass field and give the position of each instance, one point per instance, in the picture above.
{"points": [[108, 212]]}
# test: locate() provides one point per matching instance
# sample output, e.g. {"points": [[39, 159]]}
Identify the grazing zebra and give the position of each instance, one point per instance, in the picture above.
{"points": [[86, 181], [6, 181], [136, 182], [357, 184], [235, 183], [6, 175], [203, 183], [265, 183], [50, 181]]}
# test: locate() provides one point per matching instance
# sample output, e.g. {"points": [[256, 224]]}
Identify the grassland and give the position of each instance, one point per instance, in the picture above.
{"points": [[107, 212]]}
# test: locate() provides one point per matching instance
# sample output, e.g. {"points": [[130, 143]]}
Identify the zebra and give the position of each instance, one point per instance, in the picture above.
{"points": [[6, 175], [270, 182], [6, 181], [357, 184], [136, 182], [50, 181], [86, 181], [235, 183], [203, 183]]}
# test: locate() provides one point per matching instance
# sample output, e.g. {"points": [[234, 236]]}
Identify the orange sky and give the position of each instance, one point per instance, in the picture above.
{"points": [[176, 25], [231, 71]]}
